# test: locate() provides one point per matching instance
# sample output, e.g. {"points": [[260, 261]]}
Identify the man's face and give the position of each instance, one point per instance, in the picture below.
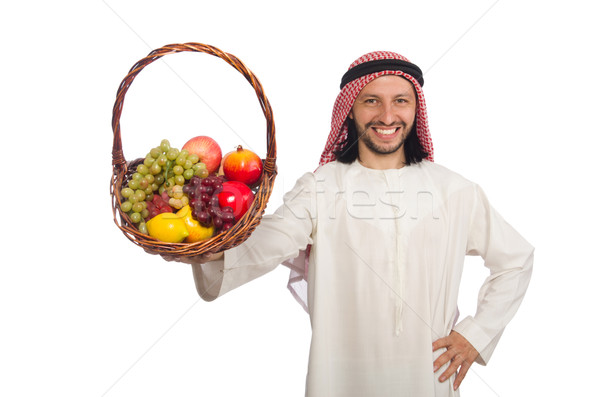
{"points": [[384, 113]]}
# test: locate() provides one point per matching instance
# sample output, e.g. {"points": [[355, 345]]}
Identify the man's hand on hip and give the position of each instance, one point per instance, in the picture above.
{"points": [[461, 354]]}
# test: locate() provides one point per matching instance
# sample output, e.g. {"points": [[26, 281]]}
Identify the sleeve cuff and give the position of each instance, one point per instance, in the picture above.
{"points": [[208, 278], [478, 338]]}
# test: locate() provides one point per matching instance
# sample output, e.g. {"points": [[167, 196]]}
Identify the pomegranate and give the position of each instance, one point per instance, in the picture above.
{"points": [[242, 165], [207, 150]]}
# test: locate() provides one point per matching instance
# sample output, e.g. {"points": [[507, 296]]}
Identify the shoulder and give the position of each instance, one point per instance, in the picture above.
{"points": [[428, 175], [308, 180], [332, 167], [332, 171], [439, 173]]}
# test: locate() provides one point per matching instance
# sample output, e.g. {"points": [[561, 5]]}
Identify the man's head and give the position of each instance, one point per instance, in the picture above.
{"points": [[381, 108], [383, 115]]}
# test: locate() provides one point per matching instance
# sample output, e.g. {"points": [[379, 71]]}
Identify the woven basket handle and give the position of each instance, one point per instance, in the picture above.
{"points": [[117, 151]]}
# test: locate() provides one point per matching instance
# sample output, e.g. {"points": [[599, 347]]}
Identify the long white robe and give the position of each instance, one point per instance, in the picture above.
{"points": [[388, 248]]}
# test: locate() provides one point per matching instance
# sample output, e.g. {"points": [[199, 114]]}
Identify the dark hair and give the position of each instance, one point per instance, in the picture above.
{"points": [[413, 150], [349, 152]]}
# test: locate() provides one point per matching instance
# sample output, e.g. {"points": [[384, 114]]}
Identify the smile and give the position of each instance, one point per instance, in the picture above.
{"points": [[385, 131]]}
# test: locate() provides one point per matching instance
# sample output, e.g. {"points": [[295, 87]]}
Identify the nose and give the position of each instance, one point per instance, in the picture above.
{"points": [[387, 114]]}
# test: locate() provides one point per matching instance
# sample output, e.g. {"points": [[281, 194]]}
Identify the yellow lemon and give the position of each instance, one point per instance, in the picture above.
{"points": [[196, 231], [167, 227]]}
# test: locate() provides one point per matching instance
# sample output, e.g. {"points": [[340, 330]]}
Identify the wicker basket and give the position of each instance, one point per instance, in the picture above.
{"points": [[122, 170]]}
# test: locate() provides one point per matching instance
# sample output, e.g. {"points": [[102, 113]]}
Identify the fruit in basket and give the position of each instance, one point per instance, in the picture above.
{"points": [[167, 227], [157, 205], [236, 195], [196, 231], [163, 168], [177, 199], [243, 165], [204, 200], [207, 150]]}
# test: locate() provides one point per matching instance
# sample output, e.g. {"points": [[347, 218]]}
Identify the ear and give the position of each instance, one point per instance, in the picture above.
{"points": [[351, 115]]}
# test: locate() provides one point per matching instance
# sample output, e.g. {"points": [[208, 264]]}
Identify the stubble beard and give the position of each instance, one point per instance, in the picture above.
{"points": [[375, 148]]}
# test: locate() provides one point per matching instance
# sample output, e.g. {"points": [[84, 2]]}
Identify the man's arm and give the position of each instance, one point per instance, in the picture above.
{"points": [[277, 238], [510, 259]]}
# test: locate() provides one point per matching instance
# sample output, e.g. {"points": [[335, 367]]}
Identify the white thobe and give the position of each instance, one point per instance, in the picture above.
{"points": [[388, 248]]}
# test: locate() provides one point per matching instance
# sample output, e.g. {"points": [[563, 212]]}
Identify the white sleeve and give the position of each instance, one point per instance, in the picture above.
{"points": [[510, 260], [277, 238]]}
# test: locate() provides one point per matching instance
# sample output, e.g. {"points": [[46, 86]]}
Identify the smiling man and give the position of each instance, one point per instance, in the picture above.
{"points": [[383, 115], [376, 239]]}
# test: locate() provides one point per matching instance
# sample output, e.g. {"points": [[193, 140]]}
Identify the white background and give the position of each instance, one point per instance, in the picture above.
{"points": [[512, 94]]}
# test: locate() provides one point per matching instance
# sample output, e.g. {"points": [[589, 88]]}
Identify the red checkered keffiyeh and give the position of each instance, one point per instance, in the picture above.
{"points": [[347, 96], [339, 131]]}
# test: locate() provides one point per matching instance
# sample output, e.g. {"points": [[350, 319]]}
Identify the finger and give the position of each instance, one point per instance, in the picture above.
{"points": [[442, 360], [442, 342], [464, 368], [212, 256], [207, 257], [452, 368], [199, 259], [202, 258]]}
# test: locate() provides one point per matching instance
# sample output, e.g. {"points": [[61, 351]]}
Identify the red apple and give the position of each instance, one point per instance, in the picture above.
{"points": [[242, 165], [207, 150], [236, 195]]}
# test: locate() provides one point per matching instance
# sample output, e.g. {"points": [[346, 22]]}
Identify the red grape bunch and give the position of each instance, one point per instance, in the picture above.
{"points": [[204, 202]]}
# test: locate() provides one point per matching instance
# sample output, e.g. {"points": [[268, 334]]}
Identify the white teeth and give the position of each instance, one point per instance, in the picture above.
{"points": [[385, 132]]}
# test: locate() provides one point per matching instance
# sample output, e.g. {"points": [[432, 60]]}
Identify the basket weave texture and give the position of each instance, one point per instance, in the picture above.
{"points": [[122, 169]]}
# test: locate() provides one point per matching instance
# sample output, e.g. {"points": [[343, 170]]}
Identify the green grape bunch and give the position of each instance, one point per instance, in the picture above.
{"points": [[163, 168]]}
